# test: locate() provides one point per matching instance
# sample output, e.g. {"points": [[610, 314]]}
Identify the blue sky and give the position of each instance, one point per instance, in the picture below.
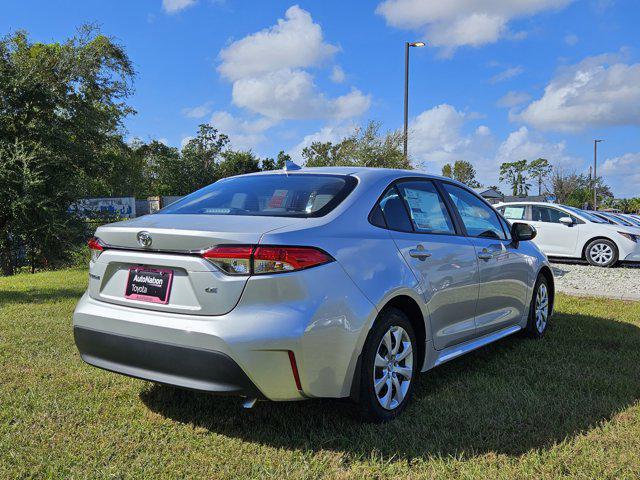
{"points": [[500, 80]]}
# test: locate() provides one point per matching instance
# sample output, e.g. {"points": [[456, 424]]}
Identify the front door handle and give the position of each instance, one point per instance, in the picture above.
{"points": [[419, 253], [487, 254]]}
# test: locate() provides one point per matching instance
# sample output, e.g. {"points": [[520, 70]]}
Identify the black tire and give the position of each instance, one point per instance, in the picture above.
{"points": [[601, 253], [535, 327], [371, 408]]}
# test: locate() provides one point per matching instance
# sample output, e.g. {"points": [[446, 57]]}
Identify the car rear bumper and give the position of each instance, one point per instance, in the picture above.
{"points": [[192, 368], [318, 315]]}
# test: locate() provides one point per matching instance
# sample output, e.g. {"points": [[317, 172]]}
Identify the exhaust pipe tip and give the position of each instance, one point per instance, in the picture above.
{"points": [[249, 403]]}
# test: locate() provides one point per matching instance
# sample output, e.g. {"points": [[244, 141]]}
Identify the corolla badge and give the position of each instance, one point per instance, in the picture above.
{"points": [[144, 239]]}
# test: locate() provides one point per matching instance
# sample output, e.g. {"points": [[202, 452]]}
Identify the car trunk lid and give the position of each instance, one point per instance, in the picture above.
{"points": [[196, 286]]}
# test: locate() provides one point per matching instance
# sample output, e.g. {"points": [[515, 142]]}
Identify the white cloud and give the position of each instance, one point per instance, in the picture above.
{"points": [[454, 23], [623, 173], [243, 134], [599, 91], [513, 99], [199, 111], [443, 135], [337, 74], [571, 39], [523, 143], [438, 136], [294, 42], [483, 131], [437, 132], [173, 6], [292, 94], [507, 74], [268, 71]]}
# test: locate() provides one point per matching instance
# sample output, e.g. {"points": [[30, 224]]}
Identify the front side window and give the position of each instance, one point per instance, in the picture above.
{"points": [[293, 195], [547, 214], [428, 211], [479, 219]]}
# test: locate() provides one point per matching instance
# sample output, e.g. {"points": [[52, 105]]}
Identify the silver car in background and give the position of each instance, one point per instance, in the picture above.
{"points": [[330, 282]]}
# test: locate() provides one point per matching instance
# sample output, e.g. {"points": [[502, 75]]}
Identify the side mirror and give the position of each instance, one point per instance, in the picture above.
{"points": [[522, 232], [568, 221]]}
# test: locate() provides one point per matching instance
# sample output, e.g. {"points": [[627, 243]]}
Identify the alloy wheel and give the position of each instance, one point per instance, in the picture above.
{"points": [[542, 308], [601, 253], [393, 368]]}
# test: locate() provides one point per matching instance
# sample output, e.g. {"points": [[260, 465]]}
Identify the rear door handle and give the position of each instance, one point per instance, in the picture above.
{"points": [[420, 254]]}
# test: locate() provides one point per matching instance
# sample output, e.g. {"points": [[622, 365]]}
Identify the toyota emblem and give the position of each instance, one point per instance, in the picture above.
{"points": [[144, 239]]}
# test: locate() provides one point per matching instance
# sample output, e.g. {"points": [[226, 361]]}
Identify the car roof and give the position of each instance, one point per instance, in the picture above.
{"points": [[524, 202], [364, 173]]}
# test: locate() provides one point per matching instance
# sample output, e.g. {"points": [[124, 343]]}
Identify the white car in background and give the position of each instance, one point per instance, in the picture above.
{"points": [[569, 232]]}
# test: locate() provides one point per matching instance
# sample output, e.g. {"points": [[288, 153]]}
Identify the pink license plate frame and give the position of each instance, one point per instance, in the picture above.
{"points": [[149, 298]]}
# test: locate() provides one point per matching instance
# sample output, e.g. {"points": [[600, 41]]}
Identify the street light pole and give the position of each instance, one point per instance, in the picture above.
{"points": [[406, 91], [595, 173]]}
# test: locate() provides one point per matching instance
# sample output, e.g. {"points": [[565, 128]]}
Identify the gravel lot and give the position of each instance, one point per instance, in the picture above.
{"points": [[619, 282]]}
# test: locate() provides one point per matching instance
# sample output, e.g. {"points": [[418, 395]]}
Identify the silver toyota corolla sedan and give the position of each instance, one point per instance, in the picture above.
{"points": [[327, 282]]}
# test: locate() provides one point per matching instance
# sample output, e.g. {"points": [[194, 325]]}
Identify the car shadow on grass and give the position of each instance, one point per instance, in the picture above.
{"points": [[509, 398], [39, 295]]}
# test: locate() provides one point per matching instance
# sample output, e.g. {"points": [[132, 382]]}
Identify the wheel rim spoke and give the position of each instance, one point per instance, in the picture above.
{"points": [[387, 341], [405, 372], [380, 361], [388, 396], [407, 350], [399, 396], [397, 337]]}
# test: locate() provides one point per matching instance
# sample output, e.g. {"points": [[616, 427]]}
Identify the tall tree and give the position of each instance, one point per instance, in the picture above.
{"points": [[515, 174], [461, 171], [540, 170], [571, 188], [278, 163], [366, 147], [159, 163], [197, 165], [61, 106], [238, 163]]}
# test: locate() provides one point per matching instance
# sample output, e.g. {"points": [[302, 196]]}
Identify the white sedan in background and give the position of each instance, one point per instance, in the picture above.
{"points": [[569, 232]]}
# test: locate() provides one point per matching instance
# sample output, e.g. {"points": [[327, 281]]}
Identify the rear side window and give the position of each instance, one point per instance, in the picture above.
{"points": [[428, 211], [516, 212], [480, 220], [293, 195], [394, 211]]}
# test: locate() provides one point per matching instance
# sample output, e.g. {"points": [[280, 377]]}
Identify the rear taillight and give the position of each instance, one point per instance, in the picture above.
{"points": [[256, 260], [96, 247], [230, 259]]}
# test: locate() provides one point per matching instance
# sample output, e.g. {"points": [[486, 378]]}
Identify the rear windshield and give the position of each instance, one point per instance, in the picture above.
{"points": [[293, 195]]}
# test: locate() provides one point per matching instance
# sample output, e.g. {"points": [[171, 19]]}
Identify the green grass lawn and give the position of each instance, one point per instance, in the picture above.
{"points": [[568, 405]]}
